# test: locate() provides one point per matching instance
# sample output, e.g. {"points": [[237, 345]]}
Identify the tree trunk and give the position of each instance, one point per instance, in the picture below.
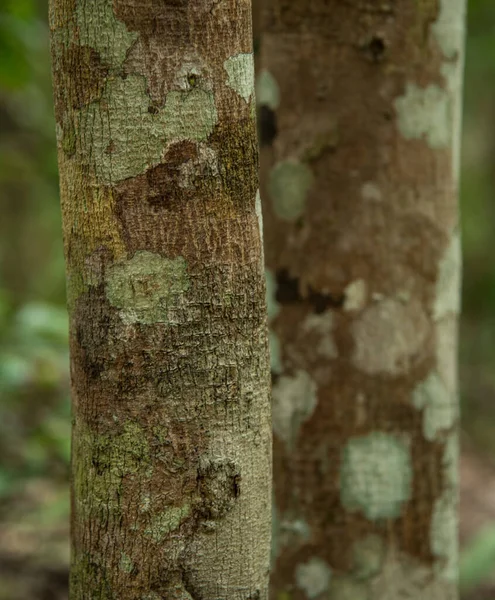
{"points": [[360, 114], [158, 168]]}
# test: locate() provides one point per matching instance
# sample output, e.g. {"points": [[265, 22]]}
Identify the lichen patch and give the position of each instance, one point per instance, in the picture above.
{"points": [[146, 287], [118, 148], [448, 29], [322, 326], [438, 404], [288, 186], [396, 329], [100, 29], [166, 521], [294, 401], [376, 475], [426, 113], [443, 536], [355, 296], [267, 90], [313, 577], [240, 71], [448, 287]]}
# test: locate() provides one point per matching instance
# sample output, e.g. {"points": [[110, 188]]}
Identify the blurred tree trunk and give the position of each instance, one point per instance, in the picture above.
{"points": [[158, 169], [360, 118]]}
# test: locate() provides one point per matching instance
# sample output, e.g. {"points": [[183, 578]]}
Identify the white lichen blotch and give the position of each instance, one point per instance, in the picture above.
{"points": [[294, 402], [448, 288], [355, 296], [397, 329], [376, 475], [146, 286], [240, 71], [448, 29], [427, 114], [438, 404], [267, 90], [313, 577], [288, 186]]}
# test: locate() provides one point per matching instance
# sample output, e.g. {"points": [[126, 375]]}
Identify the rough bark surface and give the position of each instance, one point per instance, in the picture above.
{"points": [[360, 114], [158, 168]]}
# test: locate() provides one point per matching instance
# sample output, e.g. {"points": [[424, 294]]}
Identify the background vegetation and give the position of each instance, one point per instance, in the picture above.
{"points": [[34, 386]]}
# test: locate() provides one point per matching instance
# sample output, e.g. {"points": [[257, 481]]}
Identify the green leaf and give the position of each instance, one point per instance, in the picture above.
{"points": [[478, 559]]}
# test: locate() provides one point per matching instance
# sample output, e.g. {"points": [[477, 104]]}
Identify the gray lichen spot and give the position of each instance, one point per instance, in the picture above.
{"points": [[322, 325], [371, 191], [426, 113], [397, 329], [444, 536], [271, 293], [448, 29], [313, 577], [275, 353], [438, 405], [355, 296], [120, 138], [125, 563], [288, 186], [448, 288], [294, 401], [267, 90], [101, 30], [240, 69], [189, 115], [403, 577], [165, 522], [205, 165], [346, 588], [376, 476], [367, 557], [450, 462], [146, 287]]}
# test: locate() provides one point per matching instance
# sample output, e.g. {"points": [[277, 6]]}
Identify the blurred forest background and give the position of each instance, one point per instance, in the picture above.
{"points": [[34, 378]]}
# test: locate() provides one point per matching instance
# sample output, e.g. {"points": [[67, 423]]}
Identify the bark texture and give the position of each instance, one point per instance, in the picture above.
{"points": [[169, 355], [360, 114]]}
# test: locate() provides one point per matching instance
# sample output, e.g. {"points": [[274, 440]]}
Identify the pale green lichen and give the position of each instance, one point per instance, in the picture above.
{"points": [[125, 563], [367, 557], [313, 577], [448, 288], [121, 138], [399, 330], [240, 71], [376, 475], [426, 113], [448, 29], [288, 186], [444, 536], [404, 577], [267, 90], [294, 401], [438, 405], [147, 287], [167, 521], [322, 325], [355, 295], [101, 463], [100, 29]]}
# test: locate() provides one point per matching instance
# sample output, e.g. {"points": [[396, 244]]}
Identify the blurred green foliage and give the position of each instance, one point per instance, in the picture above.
{"points": [[34, 379]]}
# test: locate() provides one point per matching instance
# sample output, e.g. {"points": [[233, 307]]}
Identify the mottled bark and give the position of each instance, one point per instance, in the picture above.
{"points": [[360, 113], [158, 169]]}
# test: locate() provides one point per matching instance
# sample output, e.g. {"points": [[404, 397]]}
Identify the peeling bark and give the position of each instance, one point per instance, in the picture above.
{"points": [[171, 458], [360, 119]]}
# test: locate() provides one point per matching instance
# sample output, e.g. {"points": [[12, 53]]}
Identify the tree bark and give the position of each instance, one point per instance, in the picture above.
{"points": [[360, 122], [169, 355]]}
